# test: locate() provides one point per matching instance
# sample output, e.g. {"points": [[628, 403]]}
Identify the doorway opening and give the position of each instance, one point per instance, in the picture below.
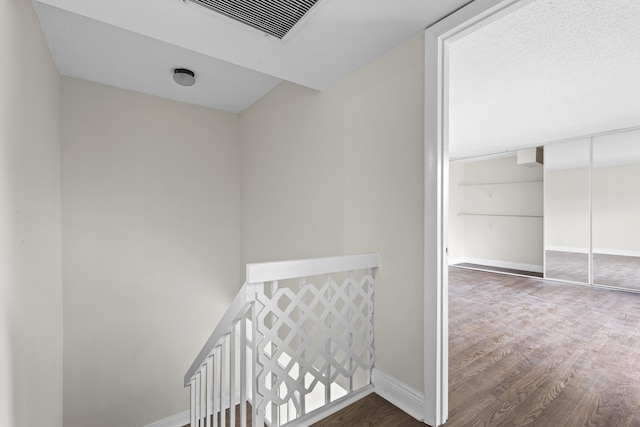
{"points": [[551, 105], [563, 110]]}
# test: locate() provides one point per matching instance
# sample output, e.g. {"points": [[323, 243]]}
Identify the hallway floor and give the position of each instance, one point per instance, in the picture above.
{"points": [[523, 351], [371, 411]]}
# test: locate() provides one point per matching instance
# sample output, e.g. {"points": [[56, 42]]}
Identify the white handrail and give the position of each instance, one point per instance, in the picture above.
{"points": [[269, 271], [236, 310]]}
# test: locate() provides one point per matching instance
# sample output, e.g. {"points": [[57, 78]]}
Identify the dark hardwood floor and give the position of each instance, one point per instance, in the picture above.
{"points": [[523, 351], [373, 410]]}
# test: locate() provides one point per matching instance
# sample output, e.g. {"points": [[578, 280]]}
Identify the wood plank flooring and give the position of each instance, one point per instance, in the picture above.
{"points": [[371, 411], [523, 351]]}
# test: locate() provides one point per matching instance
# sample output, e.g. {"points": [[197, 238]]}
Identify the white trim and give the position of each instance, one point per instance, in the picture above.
{"points": [[575, 249], [436, 159], [590, 196], [270, 271], [177, 420], [458, 260], [602, 251], [505, 264], [619, 252], [435, 197], [400, 394]]}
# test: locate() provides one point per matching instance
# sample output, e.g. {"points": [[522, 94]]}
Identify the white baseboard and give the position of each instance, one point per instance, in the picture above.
{"points": [[616, 252], [400, 394], [603, 251], [505, 264], [574, 249], [177, 420], [458, 260]]}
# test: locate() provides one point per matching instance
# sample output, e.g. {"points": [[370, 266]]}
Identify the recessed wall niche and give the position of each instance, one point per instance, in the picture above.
{"points": [[495, 213]]}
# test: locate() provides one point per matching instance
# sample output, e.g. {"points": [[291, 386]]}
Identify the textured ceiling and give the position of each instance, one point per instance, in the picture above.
{"points": [[136, 44], [553, 69]]}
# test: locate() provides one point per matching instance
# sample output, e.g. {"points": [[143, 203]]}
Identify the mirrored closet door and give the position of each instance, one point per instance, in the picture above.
{"points": [[566, 210], [615, 203], [592, 210]]}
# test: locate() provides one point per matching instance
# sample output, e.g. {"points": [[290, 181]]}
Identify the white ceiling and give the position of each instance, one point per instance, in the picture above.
{"points": [[551, 70], [136, 44]]}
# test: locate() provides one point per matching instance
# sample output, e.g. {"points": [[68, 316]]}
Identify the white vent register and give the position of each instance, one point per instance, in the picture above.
{"points": [[274, 17]]}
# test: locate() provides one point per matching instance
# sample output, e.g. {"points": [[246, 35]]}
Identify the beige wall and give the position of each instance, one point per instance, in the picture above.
{"points": [[151, 216], [151, 248], [342, 172], [30, 278], [292, 177]]}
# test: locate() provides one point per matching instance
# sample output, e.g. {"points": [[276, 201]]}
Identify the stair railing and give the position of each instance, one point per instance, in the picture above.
{"points": [[295, 345]]}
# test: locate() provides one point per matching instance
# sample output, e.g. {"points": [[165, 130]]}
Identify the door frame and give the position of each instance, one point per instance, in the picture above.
{"points": [[438, 37]]}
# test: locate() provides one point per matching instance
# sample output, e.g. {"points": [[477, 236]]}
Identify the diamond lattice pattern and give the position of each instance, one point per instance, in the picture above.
{"points": [[309, 335]]}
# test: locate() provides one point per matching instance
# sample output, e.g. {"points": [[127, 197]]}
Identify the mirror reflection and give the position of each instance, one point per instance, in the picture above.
{"points": [[615, 193], [566, 210]]}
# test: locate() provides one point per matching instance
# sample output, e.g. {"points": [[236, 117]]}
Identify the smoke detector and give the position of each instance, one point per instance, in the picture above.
{"points": [[184, 77]]}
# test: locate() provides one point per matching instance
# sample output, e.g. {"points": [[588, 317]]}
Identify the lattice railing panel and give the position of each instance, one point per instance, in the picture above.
{"points": [[291, 342], [310, 335]]}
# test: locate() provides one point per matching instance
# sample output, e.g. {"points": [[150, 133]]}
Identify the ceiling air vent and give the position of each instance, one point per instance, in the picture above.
{"points": [[274, 17]]}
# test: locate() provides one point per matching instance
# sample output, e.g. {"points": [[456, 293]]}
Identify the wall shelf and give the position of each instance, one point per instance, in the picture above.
{"points": [[467, 184], [506, 215]]}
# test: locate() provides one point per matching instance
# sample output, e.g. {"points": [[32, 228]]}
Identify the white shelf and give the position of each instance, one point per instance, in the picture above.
{"points": [[465, 184], [506, 215]]}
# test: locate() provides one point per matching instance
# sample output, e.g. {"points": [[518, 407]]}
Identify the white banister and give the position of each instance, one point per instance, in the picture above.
{"points": [[232, 377], [282, 270], [217, 395], [311, 344], [236, 310], [198, 397], [193, 403], [223, 421], [243, 373], [209, 392]]}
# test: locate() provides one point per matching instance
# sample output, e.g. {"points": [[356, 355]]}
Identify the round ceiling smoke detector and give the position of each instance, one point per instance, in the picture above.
{"points": [[184, 77]]}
